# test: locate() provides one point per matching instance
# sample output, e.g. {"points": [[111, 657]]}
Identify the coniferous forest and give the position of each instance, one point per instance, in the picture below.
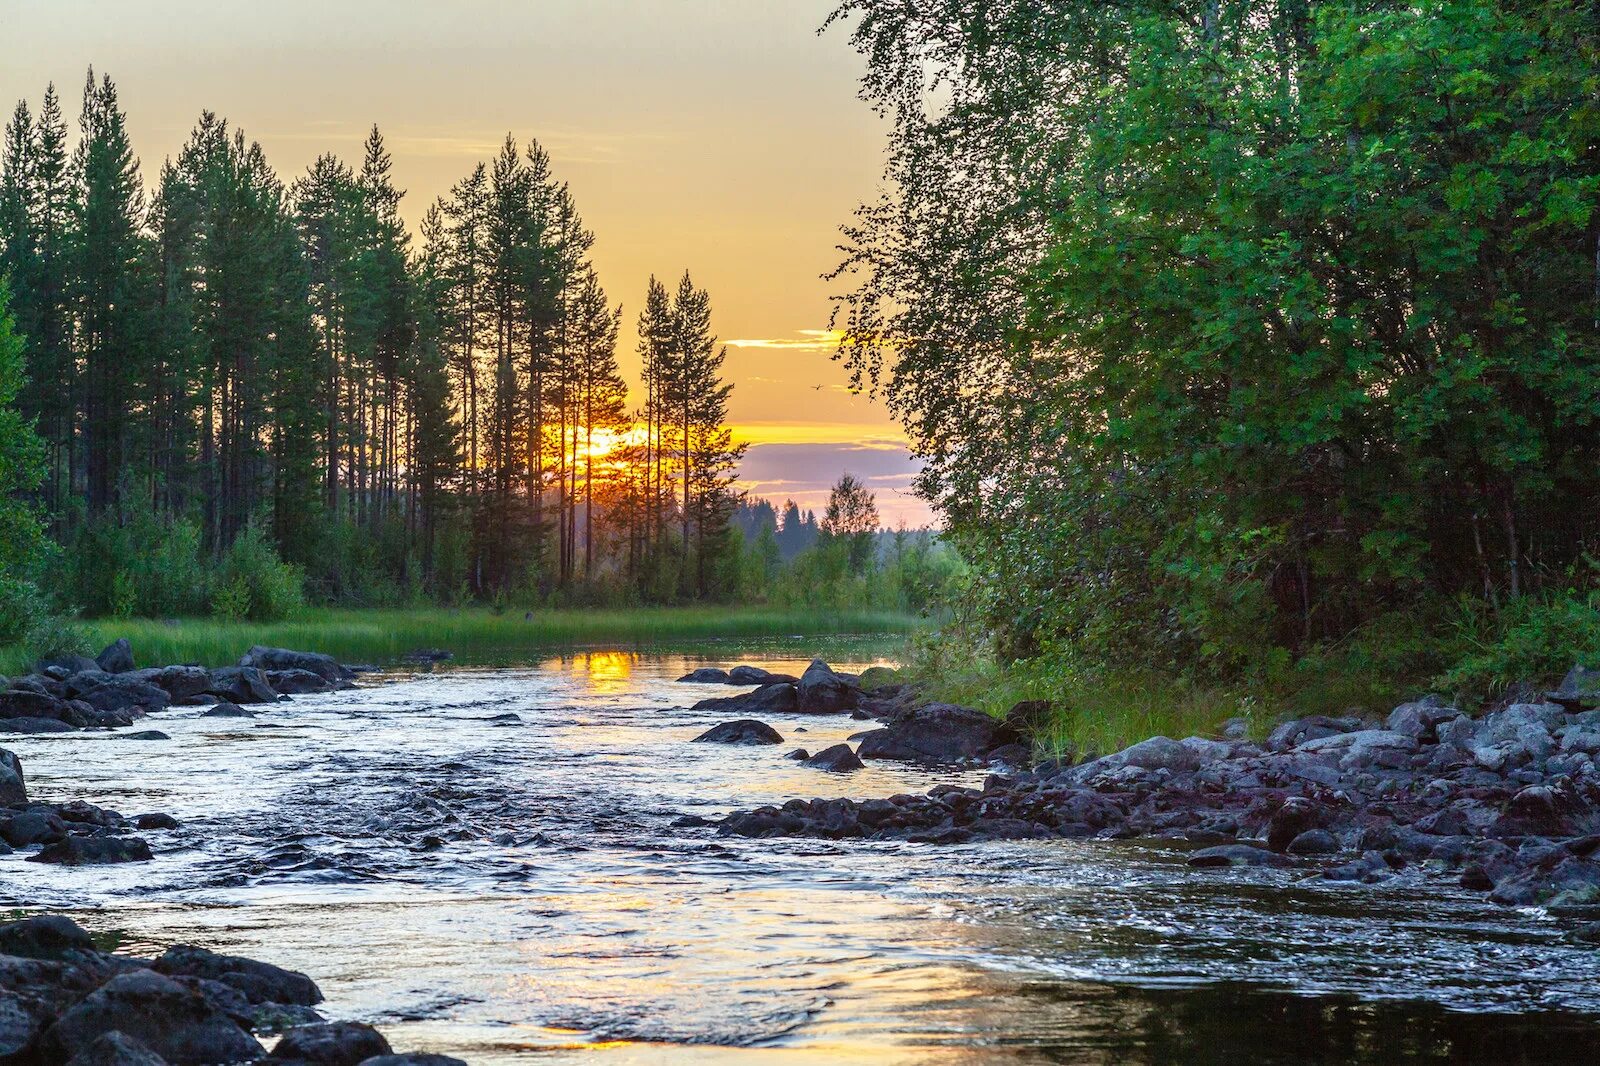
{"points": [[250, 387]]}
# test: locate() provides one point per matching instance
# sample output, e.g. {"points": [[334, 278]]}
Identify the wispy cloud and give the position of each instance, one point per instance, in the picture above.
{"points": [[805, 340]]}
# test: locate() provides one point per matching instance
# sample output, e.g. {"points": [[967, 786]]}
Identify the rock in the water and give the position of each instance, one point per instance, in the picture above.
{"points": [[44, 936], [296, 682], [117, 658], [413, 1059], [144, 734], [936, 733], [94, 851], [332, 1044], [1290, 821], [156, 820], [116, 1048], [227, 710], [821, 691], [27, 703], [1235, 855], [1313, 842], [768, 699], [242, 684], [32, 827], [798, 755], [282, 659], [174, 1020], [13, 790], [743, 731], [837, 759], [1580, 689], [260, 982], [755, 675], [29, 726], [706, 675]]}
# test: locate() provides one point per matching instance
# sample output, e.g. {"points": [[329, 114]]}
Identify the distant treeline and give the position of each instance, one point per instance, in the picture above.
{"points": [[231, 358]]}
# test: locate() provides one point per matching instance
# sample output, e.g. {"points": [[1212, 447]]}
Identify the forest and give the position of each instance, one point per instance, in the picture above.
{"points": [[249, 392], [1246, 339]]}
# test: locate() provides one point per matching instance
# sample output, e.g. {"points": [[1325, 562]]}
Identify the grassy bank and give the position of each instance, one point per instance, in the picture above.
{"points": [[1107, 712], [473, 634]]}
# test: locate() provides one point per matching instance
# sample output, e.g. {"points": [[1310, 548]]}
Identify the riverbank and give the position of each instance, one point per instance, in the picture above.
{"points": [[472, 634]]}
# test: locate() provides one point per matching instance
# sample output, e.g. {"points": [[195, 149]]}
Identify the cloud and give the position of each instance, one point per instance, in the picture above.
{"points": [[805, 340]]}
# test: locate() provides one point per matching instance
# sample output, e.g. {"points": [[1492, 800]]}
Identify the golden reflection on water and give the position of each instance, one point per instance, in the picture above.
{"points": [[602, 673]]}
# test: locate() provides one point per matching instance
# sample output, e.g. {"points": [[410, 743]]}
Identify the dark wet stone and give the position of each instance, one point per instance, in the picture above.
{"points": [[33, 726], [768, 699], [1235, 855], [115, 692], [1313, 842], [706, 675], [329, 669], [116, 1048], [227, 710], [260, 982], [43, 936], [743, 731], [936, 733], [32, 827], [94, 851], [26, 703], [156, 820], [1296, 816], [837, 759], [13, 790], [296, 682], [822, 691], [413, 1059], [332, 1044], [690, 821], [798, 755], [117, 658], [242, 684], [175, 1021], [144, 734], [755, 675]]}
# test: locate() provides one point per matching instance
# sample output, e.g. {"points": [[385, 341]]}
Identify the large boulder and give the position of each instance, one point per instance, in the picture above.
{"points": [[1363, 748], [94, 851], [175, 1020], [412, 1059], [242, 684], [837, 759], [706, 675], [115, 692], [332, 1044], [297, 682], [1294, 733], [746, 731], [1157, 753], [117, 658], [1580, 689], [755, 675], [1422, 718], [116, 1048], [768, 699], [26, 703], [13, 788], [44, 936], [936, 733], [260, 982], [822, 691], [182, 683], [324, 666], [32, 827]]}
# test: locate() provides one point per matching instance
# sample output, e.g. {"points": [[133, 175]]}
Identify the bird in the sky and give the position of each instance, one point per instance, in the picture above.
{"points": [[816, 388]]}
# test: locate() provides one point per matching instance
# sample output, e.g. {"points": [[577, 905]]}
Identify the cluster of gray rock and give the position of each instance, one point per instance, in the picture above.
{"points": [[63, 1000], [1508, 803], [69, 834], [108, 692], [939, 733]]}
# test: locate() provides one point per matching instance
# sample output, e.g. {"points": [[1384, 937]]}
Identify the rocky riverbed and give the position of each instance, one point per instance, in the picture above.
{"points": [[489, 863], [1508, 803]]}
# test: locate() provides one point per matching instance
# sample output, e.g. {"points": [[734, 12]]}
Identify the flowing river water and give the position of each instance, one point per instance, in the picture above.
{"points": [[516, 891]]}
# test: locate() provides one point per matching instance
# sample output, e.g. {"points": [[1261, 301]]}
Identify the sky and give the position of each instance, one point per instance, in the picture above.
{"points": [[719, 136]]}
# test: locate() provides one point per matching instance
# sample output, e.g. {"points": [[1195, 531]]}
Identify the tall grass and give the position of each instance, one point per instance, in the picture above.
{"points": [[472, 634]]}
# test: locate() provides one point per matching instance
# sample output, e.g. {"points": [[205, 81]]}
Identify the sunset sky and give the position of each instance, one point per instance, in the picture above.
{"points": [[719, 135]]}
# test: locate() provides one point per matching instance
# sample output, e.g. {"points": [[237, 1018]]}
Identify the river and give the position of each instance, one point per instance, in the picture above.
{"points": [[514, 892]]}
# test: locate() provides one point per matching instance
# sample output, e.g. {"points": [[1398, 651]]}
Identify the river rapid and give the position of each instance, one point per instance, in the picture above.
{"points": [[516, 891]]}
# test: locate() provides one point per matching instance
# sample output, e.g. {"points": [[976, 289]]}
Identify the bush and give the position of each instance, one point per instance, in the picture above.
{"points": [[143, 564], [54, 636], [1529, 641], [252, 582]]}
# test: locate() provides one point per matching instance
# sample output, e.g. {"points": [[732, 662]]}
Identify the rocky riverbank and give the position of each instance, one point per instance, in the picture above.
{"points": [[65, 1000], [1507, 803]]}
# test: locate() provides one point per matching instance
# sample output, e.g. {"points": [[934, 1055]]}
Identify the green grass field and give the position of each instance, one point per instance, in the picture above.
{"points": [[480, 635]]}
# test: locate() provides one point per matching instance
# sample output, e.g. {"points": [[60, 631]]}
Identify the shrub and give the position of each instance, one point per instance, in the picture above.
{"points": [[253, 582]]}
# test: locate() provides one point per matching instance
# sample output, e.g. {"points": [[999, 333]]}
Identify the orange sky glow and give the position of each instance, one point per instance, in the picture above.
{"points": [[721, 136]]}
